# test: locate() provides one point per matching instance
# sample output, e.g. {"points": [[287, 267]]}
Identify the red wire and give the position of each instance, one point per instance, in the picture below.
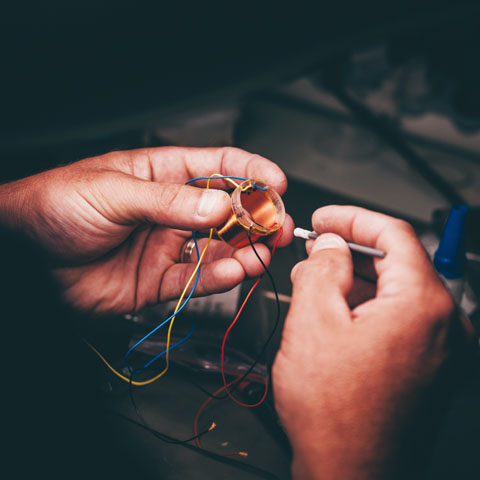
{"points": [[209, 399], [225, 385]]}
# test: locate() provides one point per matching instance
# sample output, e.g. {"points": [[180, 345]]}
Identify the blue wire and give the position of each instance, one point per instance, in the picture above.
{"points": [[213, 178], [175, 345], [190, 294], [226, 176], [171, 316]]}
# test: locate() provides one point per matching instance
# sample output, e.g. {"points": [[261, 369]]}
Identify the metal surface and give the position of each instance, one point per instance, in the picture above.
{"points": [[258, 210]]}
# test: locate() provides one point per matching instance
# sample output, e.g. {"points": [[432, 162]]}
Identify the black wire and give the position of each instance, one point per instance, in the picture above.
{"points": [[132, 400], [264, 347], [160, 435], [184, 443], [267, 342], [206, 453]]}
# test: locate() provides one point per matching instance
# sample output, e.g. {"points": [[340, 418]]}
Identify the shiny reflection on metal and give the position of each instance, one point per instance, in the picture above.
{"points": [[256, 207], [187, 251]]}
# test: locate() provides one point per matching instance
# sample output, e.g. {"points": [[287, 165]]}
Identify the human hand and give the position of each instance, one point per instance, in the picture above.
{"points": [[361, 356], [115, 224]]}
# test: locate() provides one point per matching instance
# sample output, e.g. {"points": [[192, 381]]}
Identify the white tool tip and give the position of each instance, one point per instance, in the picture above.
{"points": [[301, 233]]}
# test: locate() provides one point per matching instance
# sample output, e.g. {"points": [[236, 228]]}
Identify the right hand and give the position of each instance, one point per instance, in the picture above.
{"points": [[350, 378]]}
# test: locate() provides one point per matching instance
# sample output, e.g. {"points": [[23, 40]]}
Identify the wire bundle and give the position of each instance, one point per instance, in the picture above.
{"points": [[248, 375], [228, 387], [178, 308]]}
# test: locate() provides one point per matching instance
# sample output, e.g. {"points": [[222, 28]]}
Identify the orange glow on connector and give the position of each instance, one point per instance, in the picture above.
{"points": [[255, 207]]}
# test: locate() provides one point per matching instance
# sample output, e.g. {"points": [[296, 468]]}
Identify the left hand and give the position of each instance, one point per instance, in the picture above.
{"points": [[115, 224]]}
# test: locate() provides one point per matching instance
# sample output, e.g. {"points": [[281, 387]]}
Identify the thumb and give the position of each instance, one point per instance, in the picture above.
{"points": [[172, 205], [322, 282]]}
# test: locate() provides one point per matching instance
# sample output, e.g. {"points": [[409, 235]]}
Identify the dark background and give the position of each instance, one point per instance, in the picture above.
{"points": [[83, 78], [75, 73]]}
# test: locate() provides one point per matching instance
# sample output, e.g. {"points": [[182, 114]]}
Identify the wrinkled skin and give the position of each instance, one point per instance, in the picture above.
{"points": [[115, 224]]}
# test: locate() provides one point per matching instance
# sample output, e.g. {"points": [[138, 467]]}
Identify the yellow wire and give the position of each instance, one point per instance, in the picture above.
{"points": [[167, 357], [156, 377], [231, 180]]}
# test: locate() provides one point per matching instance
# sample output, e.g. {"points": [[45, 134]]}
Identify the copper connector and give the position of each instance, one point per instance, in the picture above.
{"points": [[256, 207]]}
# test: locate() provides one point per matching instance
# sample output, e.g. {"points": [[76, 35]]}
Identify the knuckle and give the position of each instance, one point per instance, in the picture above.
{"points": [[107, 157], [319, 215], [436, 308], [169, 196], [48, 198], [228, 152], [404, 226], [325, 265], [302, 271], [298, 271], [316, 267], [444, 304]]}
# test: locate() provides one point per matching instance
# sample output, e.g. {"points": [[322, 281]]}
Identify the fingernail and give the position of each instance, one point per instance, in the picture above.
{"points": [[207, 203], [328, 240]]}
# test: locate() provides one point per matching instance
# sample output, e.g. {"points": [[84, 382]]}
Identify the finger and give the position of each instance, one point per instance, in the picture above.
{"points": [[286, 234], [245, 256], [308, 245], [217, 249], [219, 276], [153, 279], [250, 262], [233, 161], [178, 206], [179, 164], [215, 277], [363, 264], [365, 227], [405, 256], [220, 249], [322, 282]]}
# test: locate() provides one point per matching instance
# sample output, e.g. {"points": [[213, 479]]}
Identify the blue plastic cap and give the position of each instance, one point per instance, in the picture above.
{"points": [[449, 259]]}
